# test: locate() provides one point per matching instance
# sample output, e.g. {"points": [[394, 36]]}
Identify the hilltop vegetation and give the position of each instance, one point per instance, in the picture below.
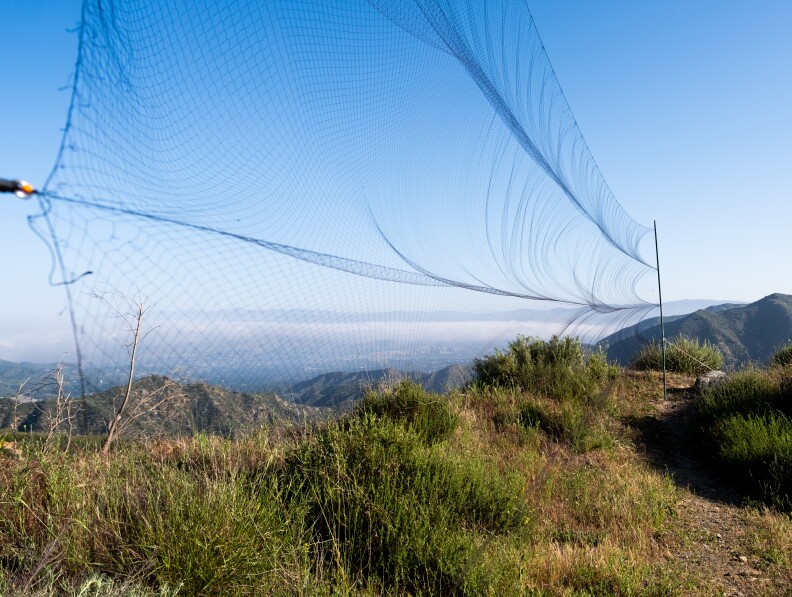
{"points": [[14, 375], [532, 481], [683, 355]]}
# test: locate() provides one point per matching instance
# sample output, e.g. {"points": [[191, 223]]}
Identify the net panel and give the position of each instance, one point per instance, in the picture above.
{"points": [[299, 187]]}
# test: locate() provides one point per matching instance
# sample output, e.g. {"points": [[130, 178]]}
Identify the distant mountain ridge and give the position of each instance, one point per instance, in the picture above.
{"points": [[204, 409], [340, 390], [30, 376], [744, 333]]}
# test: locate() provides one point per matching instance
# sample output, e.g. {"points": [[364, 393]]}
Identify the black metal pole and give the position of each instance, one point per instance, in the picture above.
{"points": [[662, 322], [8, 186], [22, 188]]}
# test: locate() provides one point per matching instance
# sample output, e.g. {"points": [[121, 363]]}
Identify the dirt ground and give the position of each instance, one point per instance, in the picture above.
{"points": [[719, 525]]}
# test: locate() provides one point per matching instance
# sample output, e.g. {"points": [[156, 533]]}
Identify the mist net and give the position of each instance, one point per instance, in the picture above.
{"points": [[295, 187]]}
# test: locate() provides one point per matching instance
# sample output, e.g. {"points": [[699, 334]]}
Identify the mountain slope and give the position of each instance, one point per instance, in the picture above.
{"points": [[35, 378], [342, 389], [201, 408], [743, 333]]}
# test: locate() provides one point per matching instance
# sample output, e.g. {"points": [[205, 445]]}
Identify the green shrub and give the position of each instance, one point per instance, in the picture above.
{"points": [[562, 389], [761, 447], [559, 369], [683, 355], [386, 507], [429, 415], [782, 357], [747, 392], [745, 425]]}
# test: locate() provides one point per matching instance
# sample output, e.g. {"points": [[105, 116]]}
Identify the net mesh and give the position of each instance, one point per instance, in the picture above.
{"points": [[299, 187]]}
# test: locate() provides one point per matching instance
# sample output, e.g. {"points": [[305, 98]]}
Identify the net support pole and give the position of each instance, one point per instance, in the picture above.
{"points": [[662, 321], [21, 188]]}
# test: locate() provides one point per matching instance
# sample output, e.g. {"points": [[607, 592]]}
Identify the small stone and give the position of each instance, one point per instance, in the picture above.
{"points": [[743, 559], [718, 535]]}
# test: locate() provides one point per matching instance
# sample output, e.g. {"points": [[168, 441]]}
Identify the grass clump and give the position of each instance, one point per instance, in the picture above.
{"points": [[782, 357], [747, 426], [132, 517], [683, 355], [580, 425], [95, 585]]}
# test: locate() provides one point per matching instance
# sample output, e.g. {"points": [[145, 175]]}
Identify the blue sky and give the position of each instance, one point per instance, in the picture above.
{"points": [[685, 107]]}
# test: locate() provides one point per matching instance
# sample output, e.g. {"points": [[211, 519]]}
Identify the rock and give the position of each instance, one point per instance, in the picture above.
{"points": [[707, 379], [743, 559]]}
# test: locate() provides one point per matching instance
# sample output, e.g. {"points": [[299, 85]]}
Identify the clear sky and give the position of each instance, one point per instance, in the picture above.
{"points": [[685, 106]]}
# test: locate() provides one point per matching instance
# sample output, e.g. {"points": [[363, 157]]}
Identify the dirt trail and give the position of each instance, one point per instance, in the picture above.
{"points": [[718, 527]]}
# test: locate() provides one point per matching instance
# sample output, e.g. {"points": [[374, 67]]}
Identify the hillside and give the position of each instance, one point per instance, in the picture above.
{"points": [[592, 486], [12, 375], [342, 389], [744, 333], [201, 408]]}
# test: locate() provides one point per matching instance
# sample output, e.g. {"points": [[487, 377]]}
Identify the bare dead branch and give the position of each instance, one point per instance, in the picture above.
{"points": [[135, 401], [60, 412]]}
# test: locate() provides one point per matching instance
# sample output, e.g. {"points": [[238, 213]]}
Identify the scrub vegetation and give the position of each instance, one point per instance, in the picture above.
{"points": [[746, 427], [532, 481], [683, 355]]}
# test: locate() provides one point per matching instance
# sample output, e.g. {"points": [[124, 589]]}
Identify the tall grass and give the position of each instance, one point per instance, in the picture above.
{"points": [[411, 493], [134, 518], [372, 500]]}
